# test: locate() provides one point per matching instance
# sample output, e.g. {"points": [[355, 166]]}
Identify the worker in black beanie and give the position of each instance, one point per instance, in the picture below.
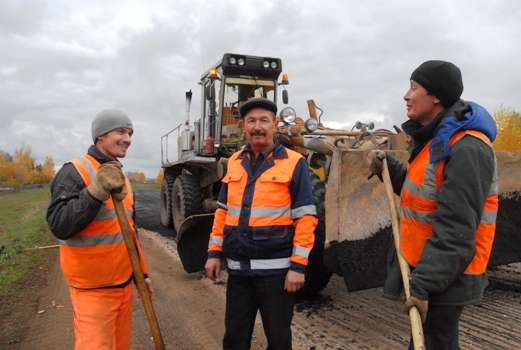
{"points": [[448, 201]]}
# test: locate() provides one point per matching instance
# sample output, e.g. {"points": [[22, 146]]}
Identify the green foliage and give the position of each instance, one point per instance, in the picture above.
{"points": [[22, 225]]}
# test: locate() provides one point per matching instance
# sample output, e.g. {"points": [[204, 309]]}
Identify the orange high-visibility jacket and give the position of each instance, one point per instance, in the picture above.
{"points": [[418, 205], [259, 225], [97, 256]]}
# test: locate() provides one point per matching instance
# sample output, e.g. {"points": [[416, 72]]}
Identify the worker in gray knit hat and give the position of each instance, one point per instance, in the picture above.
{"points": [[448, 191], [93, 255]]}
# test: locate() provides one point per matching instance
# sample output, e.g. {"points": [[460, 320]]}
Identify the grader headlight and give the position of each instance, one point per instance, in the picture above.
{"points": [[288, 115], [311, 124]]}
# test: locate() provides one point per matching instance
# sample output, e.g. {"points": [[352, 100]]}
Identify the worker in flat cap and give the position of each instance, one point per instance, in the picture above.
{"points": [[264, 227], [93, 255], [449, 200]]}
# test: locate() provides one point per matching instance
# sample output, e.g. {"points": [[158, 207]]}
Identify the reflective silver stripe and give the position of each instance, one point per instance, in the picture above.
{"points": [[222, 205], [268, 264], [274, 212], [233, 265], [301, 251], [430, 176], [261, 264], [489, 217], [88, 166], [91, 241], [104, 213], [494, 190], [304, 210], [234, 211], [419, 190], [422, 217], [216, 240]]}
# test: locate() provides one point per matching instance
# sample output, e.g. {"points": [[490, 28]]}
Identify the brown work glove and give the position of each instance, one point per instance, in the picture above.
{"points": [[421, 305], [374, 161], [109, 179]]}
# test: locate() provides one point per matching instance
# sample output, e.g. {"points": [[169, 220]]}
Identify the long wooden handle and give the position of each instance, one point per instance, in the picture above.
{"points": [[414, 314], [138, 275]]}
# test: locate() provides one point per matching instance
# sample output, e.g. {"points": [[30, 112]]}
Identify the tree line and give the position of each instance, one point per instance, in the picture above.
{"points": [[21, 169]]}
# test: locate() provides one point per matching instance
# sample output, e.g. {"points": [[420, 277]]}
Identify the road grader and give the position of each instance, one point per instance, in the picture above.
{"points": [[352, 238]]}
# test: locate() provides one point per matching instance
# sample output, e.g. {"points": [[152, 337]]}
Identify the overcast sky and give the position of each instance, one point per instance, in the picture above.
{"points": [[62, 62]]}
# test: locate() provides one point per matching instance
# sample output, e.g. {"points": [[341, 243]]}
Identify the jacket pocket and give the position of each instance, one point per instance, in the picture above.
{"points": [[235, 189], [264, 233]]}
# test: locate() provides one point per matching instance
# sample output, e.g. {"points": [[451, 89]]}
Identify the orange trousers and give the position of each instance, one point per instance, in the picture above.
{"points": [[102, 318]]}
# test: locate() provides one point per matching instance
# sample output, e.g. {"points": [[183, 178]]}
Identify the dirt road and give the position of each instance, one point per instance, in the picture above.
{"points": [[190, 308]]}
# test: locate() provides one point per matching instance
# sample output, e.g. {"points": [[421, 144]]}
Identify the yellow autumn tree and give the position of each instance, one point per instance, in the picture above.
{"points": [[159, 178], [48, 172], [508, 123], [140, 177], [136, 177], [130, 176], [24, 164], [7, 171]]}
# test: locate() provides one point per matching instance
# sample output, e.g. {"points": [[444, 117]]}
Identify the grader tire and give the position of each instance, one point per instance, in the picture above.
{"points": [[166, 201], [187, 199], [317, 275]]}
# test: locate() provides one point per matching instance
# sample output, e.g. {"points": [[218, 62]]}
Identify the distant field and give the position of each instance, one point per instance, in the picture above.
{"points": [[146, 186]]}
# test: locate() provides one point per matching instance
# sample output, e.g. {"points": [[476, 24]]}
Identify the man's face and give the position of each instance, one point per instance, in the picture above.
{"points": [[259, 126], [421, 106], [115, 143]]}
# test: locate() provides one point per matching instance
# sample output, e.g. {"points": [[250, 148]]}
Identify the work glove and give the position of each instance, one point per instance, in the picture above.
{"points": [[374, 161], [109, 179], [421, 305]]}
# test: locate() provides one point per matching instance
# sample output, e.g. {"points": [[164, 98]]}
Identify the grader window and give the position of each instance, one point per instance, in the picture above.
{"points": [[240, 90]]}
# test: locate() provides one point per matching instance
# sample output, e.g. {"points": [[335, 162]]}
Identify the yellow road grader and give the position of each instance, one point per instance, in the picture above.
{"points": [[354, 231]]}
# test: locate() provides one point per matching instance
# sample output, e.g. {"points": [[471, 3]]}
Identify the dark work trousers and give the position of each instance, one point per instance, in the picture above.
{"points": [[247, 294], [441, 329]]}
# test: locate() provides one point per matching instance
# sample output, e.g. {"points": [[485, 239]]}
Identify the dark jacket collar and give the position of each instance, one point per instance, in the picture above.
{"points": [[96, 153], [279, 151]]}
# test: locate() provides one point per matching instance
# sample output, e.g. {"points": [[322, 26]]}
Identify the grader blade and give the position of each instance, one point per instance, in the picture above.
{"points": [[358, 226], [358, 222], [192, 241]]}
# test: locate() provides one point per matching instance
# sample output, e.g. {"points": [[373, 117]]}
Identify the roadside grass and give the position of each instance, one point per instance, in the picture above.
{"points": [[22, 226], [15, 263]]}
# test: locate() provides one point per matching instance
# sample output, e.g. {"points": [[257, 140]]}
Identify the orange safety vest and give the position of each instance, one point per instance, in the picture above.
{"points": [[419, 203], [97, 256]]}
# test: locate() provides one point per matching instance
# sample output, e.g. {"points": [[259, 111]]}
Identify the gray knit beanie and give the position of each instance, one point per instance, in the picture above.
{"points": [[108, 120], [441, 79]]}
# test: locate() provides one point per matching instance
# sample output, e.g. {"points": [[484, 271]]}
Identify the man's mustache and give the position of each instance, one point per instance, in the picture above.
{"points": [[258, 133]]}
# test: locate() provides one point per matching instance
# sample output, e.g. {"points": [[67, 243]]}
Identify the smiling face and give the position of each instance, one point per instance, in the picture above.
{"points": [[115, 143], [421, 106], [259, 125]]}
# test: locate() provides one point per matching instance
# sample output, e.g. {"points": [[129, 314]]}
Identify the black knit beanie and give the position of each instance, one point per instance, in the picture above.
{"points": [[441, 79]]}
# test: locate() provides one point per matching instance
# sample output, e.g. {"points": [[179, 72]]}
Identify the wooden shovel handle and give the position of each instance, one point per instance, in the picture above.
{"points": [[138, 274], [414, 314]]}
